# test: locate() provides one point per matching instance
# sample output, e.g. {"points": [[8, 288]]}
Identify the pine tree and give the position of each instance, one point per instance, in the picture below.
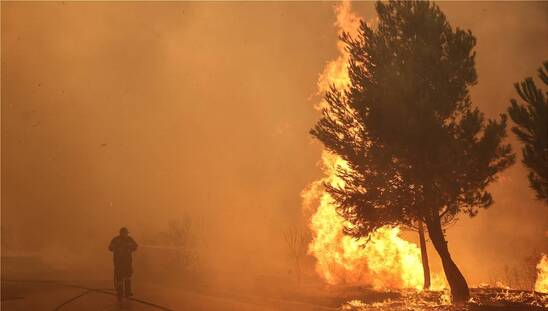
{"points": [[416, 148], [532, 131]]}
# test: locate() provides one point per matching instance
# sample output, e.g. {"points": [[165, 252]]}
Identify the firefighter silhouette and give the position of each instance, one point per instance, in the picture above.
{"points": [[122, 248]]}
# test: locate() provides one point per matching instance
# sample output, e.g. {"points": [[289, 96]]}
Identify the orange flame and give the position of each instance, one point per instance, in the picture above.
{"points": [[386, 261], [541, 285], [336, 72]]}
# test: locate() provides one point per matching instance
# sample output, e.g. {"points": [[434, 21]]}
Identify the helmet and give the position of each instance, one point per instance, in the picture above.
{"points": [[124, 230]]}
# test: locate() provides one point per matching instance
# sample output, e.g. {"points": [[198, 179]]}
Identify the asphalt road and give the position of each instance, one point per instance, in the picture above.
{"points": [[38, 296]]}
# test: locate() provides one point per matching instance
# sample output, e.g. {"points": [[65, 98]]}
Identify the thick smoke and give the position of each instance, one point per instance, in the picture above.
{"points": [[138, 114]]}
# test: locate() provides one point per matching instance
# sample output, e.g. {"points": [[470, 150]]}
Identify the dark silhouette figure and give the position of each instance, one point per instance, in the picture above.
{"points": [[122, 247]]}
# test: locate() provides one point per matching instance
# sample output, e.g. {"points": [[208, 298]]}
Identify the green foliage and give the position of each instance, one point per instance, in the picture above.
{"points": [[416, 147], [532, 130]]}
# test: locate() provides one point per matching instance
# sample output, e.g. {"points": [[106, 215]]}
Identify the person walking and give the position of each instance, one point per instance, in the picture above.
{"points": [[122, 248]]}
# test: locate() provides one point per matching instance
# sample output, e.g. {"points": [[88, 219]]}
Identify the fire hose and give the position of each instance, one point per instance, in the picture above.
{"points": [[163, 247], [88, 290], [105, 291]]}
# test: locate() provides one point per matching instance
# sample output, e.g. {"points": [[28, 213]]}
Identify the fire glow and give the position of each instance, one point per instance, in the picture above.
{"points": [[386, 260], [541, 284]]}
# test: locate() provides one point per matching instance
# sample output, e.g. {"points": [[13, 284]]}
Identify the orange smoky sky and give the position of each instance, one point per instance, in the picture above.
{"points": [[137, 113]]}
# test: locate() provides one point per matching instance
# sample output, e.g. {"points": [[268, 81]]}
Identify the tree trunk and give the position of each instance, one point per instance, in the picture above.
{"points": [[457, 283], [424, 256]]}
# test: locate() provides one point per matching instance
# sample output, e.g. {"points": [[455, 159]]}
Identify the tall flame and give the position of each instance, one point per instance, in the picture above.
{"points": [[336, 72], [386, 260], [541, 285]]}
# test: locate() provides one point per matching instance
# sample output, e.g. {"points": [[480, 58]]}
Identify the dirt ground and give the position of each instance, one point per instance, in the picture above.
{"points": [[49, 296]]}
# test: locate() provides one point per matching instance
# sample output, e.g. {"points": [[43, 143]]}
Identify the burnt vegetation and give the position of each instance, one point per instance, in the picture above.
{"points": [[296, 242]]}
